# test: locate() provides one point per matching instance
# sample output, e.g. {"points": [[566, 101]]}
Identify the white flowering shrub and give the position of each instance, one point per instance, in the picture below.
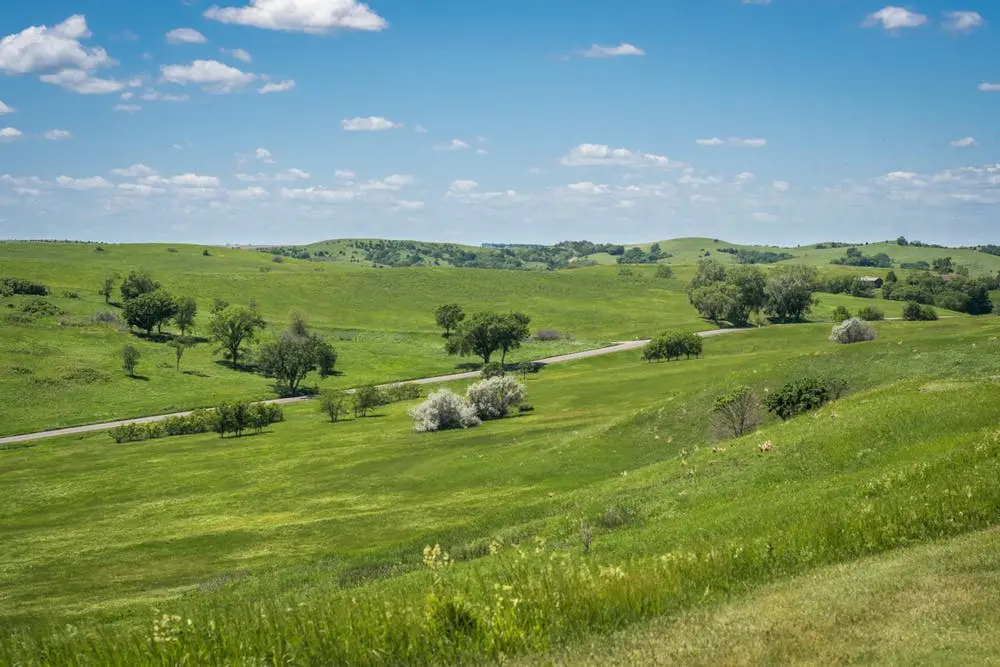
{"points": [[443, 410], [492, 398], [852, 331]]}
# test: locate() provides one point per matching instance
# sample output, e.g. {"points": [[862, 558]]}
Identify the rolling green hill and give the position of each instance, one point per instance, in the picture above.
{"points": [[306, 541]]}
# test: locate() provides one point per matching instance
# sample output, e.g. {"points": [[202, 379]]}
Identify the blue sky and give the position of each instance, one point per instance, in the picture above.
{"points": [[261, 121]]}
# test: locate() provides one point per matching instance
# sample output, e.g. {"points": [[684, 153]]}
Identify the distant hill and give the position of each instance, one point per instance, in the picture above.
{"points": [[683, 251]]}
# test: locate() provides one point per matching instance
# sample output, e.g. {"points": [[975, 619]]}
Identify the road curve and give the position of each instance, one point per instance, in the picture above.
{"points": [[573, 356]]}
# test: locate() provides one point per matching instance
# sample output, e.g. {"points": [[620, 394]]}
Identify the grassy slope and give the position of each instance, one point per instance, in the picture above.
{"points": [[342, 252], [92, 525], [933, 604], [381, 322]]}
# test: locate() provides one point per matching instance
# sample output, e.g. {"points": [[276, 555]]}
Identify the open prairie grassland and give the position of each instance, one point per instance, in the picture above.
{"points": [[609, 523]]}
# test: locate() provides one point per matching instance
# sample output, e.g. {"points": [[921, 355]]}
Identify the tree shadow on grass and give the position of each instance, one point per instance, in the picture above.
{"points": [[469, 366], [141, 378], [199, 374]]}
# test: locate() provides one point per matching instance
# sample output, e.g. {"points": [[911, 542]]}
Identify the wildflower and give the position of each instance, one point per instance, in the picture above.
{"points": [[766, 446], [612, 572]]}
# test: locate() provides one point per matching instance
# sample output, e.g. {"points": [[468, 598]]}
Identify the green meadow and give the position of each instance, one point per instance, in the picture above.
{"points": [[607, 525]]}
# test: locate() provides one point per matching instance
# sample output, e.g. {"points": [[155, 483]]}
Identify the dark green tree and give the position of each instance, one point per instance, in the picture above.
{"points": [[448, 317], [130, 359], [150, 310], [187, 309], [232, 328], [136, 284], [108, 285]]}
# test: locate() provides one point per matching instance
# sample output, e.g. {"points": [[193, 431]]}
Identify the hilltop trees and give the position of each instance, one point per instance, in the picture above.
{"points": [[293, 355], [232, 327], [448, 317], [485, 333]]}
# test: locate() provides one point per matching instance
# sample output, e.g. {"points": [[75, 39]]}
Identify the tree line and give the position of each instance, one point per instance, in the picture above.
{"points": [[734, 294]]}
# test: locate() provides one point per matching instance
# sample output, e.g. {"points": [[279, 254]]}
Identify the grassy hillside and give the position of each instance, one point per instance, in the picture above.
{"points": [[978, 262], [933, 604], [297, 539], [65, 370]]}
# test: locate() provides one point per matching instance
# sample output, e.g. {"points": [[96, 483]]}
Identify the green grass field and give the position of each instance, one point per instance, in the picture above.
{"points": [[334, 517]]}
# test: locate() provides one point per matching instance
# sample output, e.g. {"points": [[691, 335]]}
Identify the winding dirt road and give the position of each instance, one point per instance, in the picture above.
{"points": [[611, 349]]}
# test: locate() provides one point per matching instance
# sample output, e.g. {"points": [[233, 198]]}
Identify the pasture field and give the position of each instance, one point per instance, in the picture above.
{"points": [[65, 370], [303, 545]]}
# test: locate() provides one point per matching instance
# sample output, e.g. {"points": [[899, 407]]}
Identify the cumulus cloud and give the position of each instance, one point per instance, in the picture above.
{"points": [[238, 54], [309, 16], [588, 155], [989, 87], [57, 135], [318, 194], [404, 205], [369, 124], [598, 51], [344, 174], [135, 171], [85, 83], [453, 145], [41, 48], [252, 192], [781, 186], [733, 141], [894, 18], [263, 155], [282, 87], [965, 142], [10, 134], [157, 96], [463, 186], [963, 21], [185, 36], [92, 183], [393, 182], [4, 109], [292, 174], [127, 108], [215, 77]]}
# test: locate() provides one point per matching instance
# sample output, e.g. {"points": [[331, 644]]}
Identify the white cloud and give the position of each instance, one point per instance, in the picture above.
{"points": [[589, 188], [318, 194], [92, 183], [965, 142], [310, 16], [733, 141], [453, 145], [10, 134], [157, 96], [989, 87], [420, 129], [404, 205], [781, 186], [463, 186], [127, 108], [127, 96], [190, 180], [4, 109], [598, 51], [589, 155], [84, 83], [282, 87], [344, 174], [136, 171], [744, 177], [369, 124], [238, 54], [57, 135], [185, 36], [393, 182], [285, 175], [963, 21], [264, 155], [894, 18], [140, 189], [253, 192], [40, 48], [215, 77]]}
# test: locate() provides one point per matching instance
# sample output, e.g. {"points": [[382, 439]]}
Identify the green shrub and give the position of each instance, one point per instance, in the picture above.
{"points": [[11, 286], [915, 312], [673, 345], [841, 313], [735, 414], [401, 391], [871, 314], [38, 307], [804, 395]]}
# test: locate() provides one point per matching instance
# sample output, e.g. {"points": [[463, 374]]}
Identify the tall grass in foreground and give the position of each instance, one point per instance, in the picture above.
{"points": [[535, 595]]}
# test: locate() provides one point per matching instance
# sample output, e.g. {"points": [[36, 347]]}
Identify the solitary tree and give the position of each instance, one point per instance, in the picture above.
{"points": [[290, 358], [149, 310], [232, 328], [366, 398], [138, 283], [789, 292], [108, 285], [736, 414], [179, 345], [333, 404], [483, 334], [448, 317], [187, 308], [130, 359], [514, 328]]}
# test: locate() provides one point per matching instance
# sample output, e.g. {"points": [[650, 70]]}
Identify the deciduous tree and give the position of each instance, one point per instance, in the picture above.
{"points": [[232, 328]]}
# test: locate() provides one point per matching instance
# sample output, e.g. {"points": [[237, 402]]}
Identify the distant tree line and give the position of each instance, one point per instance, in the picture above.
{"points": [[958, 293], [637, 255], [854, 257], [736, 293], [751, 256]]}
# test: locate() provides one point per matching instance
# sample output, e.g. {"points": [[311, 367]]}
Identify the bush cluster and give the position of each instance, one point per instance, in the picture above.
{"points": [[232, 418], [546, 335], [672, 345], [854, 330], [915, 312], [485, 400], [12, 286], [804, 395], [871, 314]]}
